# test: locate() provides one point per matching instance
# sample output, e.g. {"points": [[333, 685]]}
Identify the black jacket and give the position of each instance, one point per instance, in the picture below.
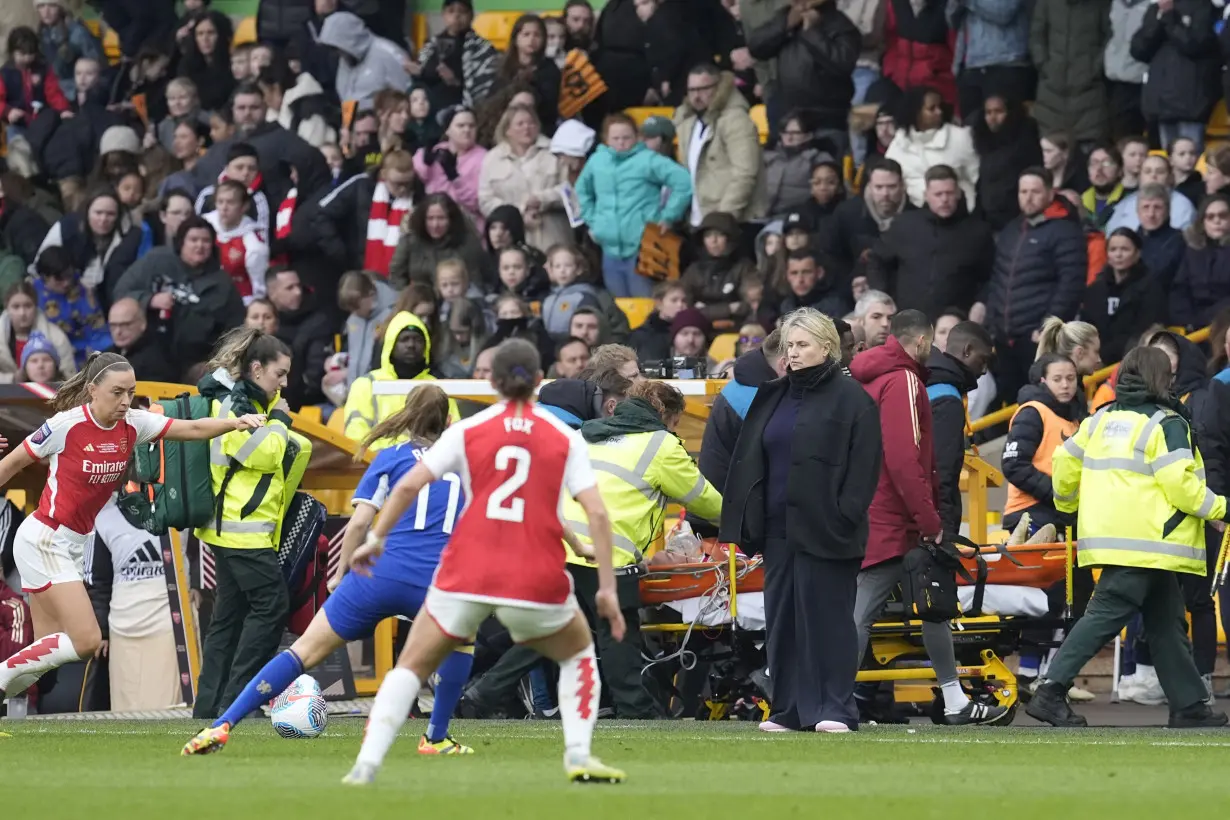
{"points": [[318, 60], [1162, 252], [673, 45], [1123, 311], [281, 21], [21, 230], [1024, 437], [309, 333], [138, 22], [814, 66], [948, 429], [1202, 285], [339, 222], [150, 360], [1210, 409], [834, 469], [1181, 50], [1040, 271], [930, 264], [1002, 156], [830, 296], [652, 340], [619, 56], [848, 234]]}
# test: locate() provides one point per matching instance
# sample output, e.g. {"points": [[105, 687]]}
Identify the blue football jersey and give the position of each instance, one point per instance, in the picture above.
{"points": [[412, 550]]}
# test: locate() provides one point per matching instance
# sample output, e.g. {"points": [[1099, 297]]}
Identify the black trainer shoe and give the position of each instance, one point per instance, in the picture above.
{"points": [[1049, 704], [976, 713], [1197, 716]]}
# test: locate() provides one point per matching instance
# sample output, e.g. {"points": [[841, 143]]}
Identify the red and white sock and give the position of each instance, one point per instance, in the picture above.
{"points": [[579, 692], [35, 660], [393, 700]]}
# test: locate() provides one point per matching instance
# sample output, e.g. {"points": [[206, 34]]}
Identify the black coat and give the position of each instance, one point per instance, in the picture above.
{"points": [[281, 21], [1210, 409], [619, 56], [1123, 311], [1181, 50], [948, 430], [848, 234], [652, 340], [309, 333], [1040, 271], [830, 296], [814, 66], [1202, 285], [339, 222], [930, 264], [1002, 157], [21, 230], [1162, 253], [834, 468], [673, 45], [151, 361], [317, 60]]}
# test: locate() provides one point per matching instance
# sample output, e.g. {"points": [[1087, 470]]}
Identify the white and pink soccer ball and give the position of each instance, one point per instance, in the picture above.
{"points": [[300, 711]]}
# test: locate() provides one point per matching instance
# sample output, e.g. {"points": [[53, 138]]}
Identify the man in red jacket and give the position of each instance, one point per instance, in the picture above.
{"points": [[905, 509]]}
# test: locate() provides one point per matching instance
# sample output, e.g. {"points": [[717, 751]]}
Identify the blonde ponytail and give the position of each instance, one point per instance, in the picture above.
{"points": [[240, 347], [1063, 338]]}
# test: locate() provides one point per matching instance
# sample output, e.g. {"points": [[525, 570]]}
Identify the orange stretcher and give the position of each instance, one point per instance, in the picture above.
{"points": [[665, 582], [1034, 565]]}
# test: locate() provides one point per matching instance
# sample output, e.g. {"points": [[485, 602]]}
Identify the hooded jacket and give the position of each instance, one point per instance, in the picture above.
{"points": [[622, 191], [715, 281], [1123, 311], [1025, 434], [364, 409], [949, 381], [1065, 42], [572, 401], [374, 63], [1040, 270], [906, 503], [1202, 285]]}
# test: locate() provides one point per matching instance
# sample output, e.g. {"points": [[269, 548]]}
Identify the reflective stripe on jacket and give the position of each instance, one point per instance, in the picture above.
{"points": [[1140, 488], [638, 475]]}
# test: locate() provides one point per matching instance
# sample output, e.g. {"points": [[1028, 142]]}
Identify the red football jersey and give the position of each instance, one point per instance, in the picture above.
{"points": [[516, 463], [86, 462]]}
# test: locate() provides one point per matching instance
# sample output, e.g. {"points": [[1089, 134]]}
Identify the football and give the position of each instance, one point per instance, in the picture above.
{"points": [[300, 711]]}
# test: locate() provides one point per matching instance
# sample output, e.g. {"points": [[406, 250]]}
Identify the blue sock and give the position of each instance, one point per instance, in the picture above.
{"points": [[454, 673], [270, 682]]}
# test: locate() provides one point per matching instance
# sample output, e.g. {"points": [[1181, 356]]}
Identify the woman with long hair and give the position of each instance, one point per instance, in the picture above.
{"points": [[526, 61], [100, 239], [21, 319], [438, 230], [518, 463], [927, 136], [1202, 284], [86, 445], [1007, 141], [1126, 298], [397, 585], [206, 59]]}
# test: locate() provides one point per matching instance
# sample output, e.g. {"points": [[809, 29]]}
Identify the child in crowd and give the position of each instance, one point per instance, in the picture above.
{"points": [[221, 125], [520, 277], [27, 86], [713, 281], [421, 129], [1187, 180], [242, 246], [658, 134], [467, 331], [40, 363], [564, 268], [242, 166], [64, 39], [91, 94], [557, 40], [771, 259], [652, 340], [1133, 150], [260, 57], [760, 308], [241, 63], [334, 159], [69, 306]]}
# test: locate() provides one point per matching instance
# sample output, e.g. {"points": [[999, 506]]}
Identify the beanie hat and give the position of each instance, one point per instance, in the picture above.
{"points": [[38, 343], [119, 138], [690, 317], [573, 138], [657, 126], [241, 149]]}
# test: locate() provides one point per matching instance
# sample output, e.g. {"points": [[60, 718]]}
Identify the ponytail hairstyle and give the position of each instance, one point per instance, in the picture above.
{"points": [[515, 370], [1058, 336], [239, 348], [422, 419], [76, 391]]}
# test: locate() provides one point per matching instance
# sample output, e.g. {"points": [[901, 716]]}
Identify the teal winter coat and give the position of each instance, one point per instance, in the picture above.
{"points": [[621, 192]]}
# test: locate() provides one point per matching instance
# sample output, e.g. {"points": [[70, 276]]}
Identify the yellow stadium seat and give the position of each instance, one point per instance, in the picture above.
{"points": [[761, 118], [723, 347], [1219, 122], [245, 32], [111, 46], [637, 310], [419, 31], [95, 26], [644, 112], [310, 413], [496, 26]]}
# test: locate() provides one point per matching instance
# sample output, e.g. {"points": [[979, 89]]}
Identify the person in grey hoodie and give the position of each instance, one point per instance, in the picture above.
{"points": [[368, 63], [1125, 75], [368, 301], [992, 50]]}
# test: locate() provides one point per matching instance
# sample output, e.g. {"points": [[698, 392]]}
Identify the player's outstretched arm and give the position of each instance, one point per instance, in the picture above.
{"points": [[14, 463], [600, 533], [197, 429], [395, 506]]}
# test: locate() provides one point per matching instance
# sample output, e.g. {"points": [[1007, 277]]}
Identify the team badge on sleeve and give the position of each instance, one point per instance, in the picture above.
{"points": [[41, 434]]}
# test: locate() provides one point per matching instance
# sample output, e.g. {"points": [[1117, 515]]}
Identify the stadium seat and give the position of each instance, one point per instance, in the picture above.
{"points": [[637, 310], [644, 112], [419, 31], [245, 32], [337, 421], [496, 26], [723, 347], [1219, 123], [111, 47], [95, 26], [761, 118]]}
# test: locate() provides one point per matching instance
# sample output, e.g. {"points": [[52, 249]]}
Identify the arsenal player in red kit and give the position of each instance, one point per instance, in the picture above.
{"points": [[86, 445], [506, 558]]}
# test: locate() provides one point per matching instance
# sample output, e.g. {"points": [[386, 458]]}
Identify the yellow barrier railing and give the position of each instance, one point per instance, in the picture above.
{"points": [[1092, 382]]}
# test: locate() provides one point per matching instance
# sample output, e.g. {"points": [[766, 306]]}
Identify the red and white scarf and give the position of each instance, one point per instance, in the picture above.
{"points": [[281, 224], [384, 229]]}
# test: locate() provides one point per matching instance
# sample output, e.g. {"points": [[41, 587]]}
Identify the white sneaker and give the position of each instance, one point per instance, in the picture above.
{"points": [[832, 727], [1147, 689], [1079, 695], [770, 726]]}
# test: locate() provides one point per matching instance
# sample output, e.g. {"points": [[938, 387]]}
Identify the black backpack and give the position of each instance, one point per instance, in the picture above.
{"points": [[929, 580]]}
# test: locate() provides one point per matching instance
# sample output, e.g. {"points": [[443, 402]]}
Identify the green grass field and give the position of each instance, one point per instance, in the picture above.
{"points": [[676, 770]]}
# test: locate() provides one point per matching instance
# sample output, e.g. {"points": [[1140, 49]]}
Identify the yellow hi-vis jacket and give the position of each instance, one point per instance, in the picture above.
{"points": [[638, 474], [255, 473], [364, 409], [1140, 488]]}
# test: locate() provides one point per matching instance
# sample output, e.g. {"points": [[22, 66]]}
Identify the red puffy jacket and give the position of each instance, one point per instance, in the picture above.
{"points": [[918, 48]]}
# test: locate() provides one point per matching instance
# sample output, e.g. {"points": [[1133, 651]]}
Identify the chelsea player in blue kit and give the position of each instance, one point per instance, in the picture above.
{"points": [[398, 581]]}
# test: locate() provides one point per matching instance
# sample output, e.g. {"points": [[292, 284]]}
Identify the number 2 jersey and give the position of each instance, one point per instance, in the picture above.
{"points": [[86, 462], [412, 549], [516, 463]]}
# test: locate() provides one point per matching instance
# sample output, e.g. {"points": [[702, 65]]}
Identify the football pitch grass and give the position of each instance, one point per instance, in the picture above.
{"points": [[676, 771]]}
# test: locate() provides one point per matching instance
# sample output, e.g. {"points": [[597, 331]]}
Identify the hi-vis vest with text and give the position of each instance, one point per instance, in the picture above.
{"points": [[1141, 503], [1055, 431]]}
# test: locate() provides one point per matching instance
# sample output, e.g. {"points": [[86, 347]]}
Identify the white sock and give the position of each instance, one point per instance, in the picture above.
{"points": [[579, 693], [35, 660], [954, 698], [397, 692]]}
